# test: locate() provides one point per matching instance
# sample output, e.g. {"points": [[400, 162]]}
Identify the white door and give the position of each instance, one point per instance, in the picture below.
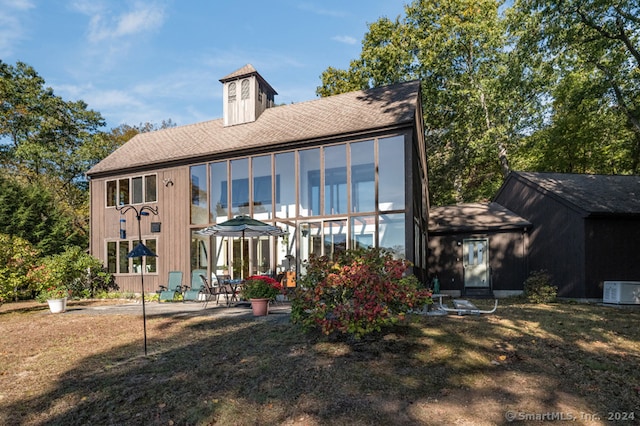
{"points": [[476, 263]]}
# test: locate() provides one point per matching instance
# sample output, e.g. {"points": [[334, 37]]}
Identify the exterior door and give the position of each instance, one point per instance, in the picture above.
{"points": [[476, 263]]}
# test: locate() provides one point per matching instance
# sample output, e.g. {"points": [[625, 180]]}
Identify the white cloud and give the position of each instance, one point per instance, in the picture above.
{"points": [[11, 26], [104, 24], [152, 101], [345, 39], [16, 4]]}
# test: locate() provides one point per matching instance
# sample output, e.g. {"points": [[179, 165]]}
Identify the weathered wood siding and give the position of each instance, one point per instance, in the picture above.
{"points": [[173, 238]]}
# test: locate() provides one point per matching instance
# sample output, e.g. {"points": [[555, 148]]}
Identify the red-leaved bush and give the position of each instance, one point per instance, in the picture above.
{"points": [[356, 293]]}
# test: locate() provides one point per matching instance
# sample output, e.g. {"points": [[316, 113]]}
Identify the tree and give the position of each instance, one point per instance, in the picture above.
{"points": [[583, 135], [593, 49], [457, 50], [47, 142], [541, 85], [29, 211], [43, 134]]}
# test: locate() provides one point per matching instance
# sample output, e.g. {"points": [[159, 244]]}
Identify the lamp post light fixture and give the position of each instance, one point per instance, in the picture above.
{"points": [[139, 250]]}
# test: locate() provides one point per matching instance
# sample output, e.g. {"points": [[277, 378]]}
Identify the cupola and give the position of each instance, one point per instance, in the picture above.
{"points": [[245, 95]]}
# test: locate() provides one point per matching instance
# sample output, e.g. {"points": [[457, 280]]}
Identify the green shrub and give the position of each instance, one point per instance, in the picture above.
{"points": [[82, 274], [356, 293], [17, 257], [538, 288]]}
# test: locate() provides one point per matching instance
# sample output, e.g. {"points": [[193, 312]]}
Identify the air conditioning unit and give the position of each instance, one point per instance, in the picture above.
{"points": [[622, 292]]}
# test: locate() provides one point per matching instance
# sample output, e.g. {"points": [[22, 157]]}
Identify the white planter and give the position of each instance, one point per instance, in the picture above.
{"points": [[57, 306]]}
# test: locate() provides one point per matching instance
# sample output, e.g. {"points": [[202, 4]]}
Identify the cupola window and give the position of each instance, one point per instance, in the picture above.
{"points": [[232, 92], [245, 89]]}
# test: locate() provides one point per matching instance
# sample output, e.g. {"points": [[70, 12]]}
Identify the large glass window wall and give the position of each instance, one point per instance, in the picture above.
{"points": [[327, 199]]}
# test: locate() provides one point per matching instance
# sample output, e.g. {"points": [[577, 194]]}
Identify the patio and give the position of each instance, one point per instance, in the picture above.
{"points": [[277, 311]]}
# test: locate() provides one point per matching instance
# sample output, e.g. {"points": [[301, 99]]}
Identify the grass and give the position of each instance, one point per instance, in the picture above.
{"points": [[571, 359]]}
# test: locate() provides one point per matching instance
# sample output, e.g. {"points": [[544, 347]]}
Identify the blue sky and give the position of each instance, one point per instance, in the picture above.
{"points": [[147, 61]]}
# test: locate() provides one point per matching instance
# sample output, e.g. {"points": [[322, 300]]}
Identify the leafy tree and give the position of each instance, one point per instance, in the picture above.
{"points": [[539, 85], [583, 135], [29, 211], [592, 52], [42, 133], [47, 142], [457, 50]]}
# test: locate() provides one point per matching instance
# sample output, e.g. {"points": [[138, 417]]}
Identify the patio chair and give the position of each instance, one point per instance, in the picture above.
{"points": [[211, 290], [173, 287], [197, 286]]}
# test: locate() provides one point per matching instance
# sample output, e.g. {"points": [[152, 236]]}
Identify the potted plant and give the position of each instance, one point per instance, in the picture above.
{"points": [[260, 290], [56, 297]]}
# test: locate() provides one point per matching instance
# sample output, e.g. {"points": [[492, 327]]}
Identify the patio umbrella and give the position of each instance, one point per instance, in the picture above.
{"points": [[241, 226]]}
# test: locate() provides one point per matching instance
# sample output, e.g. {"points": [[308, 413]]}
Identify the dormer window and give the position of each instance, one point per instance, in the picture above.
{"points": [[232, 92], [245, 89]]}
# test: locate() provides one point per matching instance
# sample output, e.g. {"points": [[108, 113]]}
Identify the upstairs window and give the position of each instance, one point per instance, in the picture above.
{"points": [[133, 190]]}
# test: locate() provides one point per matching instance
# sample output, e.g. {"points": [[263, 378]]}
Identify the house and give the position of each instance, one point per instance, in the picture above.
{"points": [[478, 249], [586, 228], [334, 173]]}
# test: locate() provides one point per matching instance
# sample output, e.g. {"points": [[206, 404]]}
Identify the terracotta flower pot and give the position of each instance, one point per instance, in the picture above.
{"points": [[260, 307]]}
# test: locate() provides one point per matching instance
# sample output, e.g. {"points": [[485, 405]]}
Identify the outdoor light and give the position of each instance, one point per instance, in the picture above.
{"points": [[123, 230]]}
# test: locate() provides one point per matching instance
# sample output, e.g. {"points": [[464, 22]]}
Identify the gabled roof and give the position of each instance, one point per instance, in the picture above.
{"points": [[473, 217], [345, 114], [593, 194]]}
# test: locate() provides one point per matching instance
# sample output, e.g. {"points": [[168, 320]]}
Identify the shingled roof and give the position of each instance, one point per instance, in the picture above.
{"points": [[345, 114], [594, 194], [473, 217], [245, 71]]}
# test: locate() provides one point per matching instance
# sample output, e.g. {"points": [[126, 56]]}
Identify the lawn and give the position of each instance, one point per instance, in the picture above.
{"points": [[553, 361]]}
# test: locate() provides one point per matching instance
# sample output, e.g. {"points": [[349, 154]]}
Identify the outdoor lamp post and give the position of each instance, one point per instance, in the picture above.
{"points": [[140, 250]]}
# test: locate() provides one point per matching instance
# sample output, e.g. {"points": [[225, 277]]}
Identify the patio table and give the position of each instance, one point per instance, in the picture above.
{"points": [[233, 286]]}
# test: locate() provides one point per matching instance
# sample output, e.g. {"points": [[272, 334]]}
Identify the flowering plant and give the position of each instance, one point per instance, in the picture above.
{"points": [[48, 278], [260, 287], [59, 292], [356, 293]]}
